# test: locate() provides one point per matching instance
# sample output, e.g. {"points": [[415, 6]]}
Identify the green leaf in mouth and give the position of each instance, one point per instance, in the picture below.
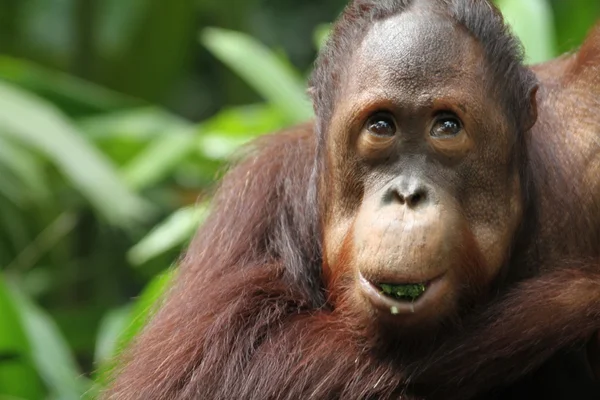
{"points": [[403, 292]]}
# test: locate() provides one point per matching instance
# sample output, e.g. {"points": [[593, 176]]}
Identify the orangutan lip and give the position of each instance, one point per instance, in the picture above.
{"points": [[429, 292]]}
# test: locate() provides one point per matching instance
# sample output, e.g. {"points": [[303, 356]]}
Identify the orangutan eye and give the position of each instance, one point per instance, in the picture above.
{"points": [[446, 125], [382, 125]]}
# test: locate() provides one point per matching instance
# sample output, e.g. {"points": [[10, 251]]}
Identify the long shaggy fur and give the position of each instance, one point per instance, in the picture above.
{"points": [[249, 316]]}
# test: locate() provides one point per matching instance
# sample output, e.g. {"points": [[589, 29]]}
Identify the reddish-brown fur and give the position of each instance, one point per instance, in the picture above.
{"points": [[250, 318]]}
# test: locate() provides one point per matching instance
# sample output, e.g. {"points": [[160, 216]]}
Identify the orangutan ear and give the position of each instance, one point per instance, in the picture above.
{"points": [[532, 114]]}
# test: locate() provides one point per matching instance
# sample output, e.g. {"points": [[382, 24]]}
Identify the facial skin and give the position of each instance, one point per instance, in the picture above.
{"points": [[424, 187]]}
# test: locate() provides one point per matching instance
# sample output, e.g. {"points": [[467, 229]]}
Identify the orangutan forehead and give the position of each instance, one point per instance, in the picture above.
{"points": [[417, 46]]}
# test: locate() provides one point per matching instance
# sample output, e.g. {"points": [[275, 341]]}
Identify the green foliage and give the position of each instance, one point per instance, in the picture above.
{"points": [[119, 327], [115, 123], [18, 376], [173, 232], [49, 352], [40, 126], [532, 21], [262, 69], [64, 90]]}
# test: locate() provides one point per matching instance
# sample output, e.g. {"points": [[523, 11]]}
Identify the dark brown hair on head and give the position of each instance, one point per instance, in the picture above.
{"points": [[502, 51]]}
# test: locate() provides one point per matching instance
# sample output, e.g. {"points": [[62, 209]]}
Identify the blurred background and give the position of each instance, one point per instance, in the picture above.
{"points": [[116, 119]]}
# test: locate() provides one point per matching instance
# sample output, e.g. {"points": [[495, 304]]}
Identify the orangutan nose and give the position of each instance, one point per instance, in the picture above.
{"points": [[410, 192]]}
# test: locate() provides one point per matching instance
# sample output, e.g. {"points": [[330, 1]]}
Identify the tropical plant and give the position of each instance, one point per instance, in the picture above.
{"points": [[100, 191]]}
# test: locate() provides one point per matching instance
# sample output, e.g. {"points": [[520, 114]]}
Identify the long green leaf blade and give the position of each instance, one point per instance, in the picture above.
{"points": [[159, 158], [18, 378], [61, 87], [49, 351], [261, 69], [42, 127], [113, 324], [174, 231]]}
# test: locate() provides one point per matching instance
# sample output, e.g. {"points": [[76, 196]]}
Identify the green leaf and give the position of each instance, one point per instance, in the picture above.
{"points": [[42, 127], [113, 324], [14, 227], [261, 69], [147, 143], [139, 315], [146, 304], [574, 18], [45, 241], [227, 131], [18, 378], [219, 147], [245, 121], [26, 168], [160, 158], [142, 124], [532, 21], [175, 231], [9, 188], [66, 90], [49, 351], [321, 35]]}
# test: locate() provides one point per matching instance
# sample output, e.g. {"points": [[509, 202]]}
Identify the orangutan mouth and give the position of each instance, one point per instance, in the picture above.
{"points": [[403, 292]]}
